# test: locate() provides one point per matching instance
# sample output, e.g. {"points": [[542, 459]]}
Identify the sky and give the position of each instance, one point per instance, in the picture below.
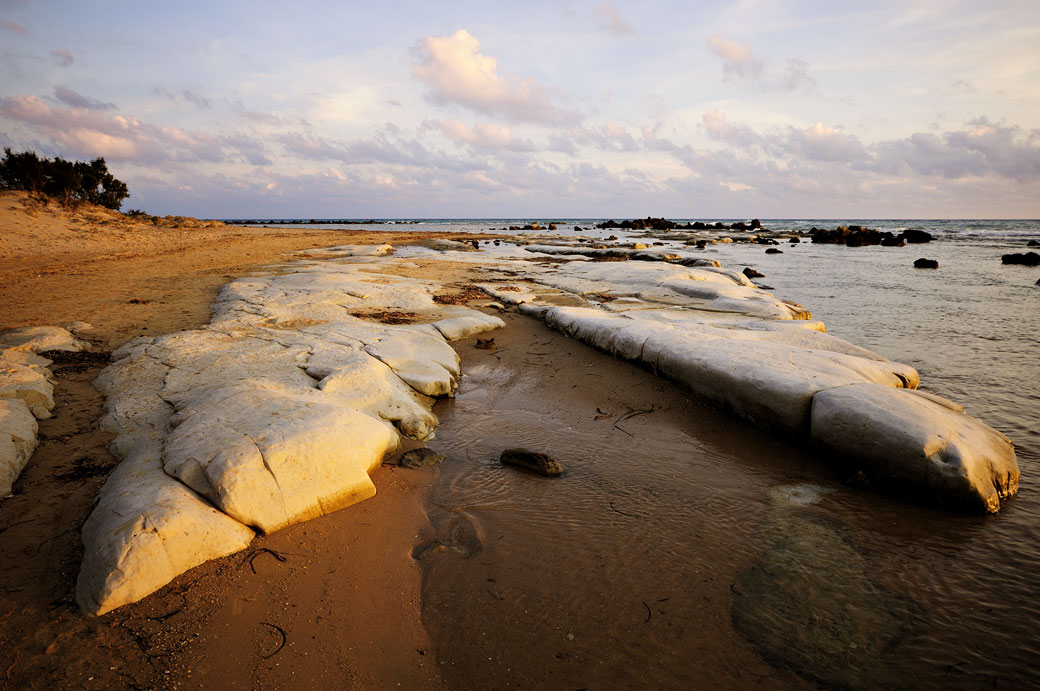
{"points": [[756, 108]]}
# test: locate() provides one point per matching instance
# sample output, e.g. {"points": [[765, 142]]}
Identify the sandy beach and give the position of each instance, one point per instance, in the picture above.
{"points": [[347, 577]]}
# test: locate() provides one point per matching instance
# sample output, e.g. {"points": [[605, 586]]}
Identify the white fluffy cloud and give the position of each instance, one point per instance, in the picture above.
{"points": [[457, 72]]}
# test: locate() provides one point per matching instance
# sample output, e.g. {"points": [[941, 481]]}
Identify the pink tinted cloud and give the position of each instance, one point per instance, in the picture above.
{"points": [[482, 135], [13, 27], [64, 57], [612, 22], [738, 62], [85, 133], [457, 72]]}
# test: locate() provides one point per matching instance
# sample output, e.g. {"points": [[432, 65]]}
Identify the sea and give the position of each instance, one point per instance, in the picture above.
{"points": [[683, 563]]}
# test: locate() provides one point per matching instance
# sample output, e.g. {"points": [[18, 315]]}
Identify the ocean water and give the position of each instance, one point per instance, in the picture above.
{"points": [[750, 561]]}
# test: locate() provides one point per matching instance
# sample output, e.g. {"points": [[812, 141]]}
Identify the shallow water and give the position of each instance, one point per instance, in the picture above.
{"points": [[699, 552]]}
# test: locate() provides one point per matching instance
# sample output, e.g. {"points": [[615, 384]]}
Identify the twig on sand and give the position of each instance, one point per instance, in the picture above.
{"points": [[649, 613], [164, 617], [629, 415], [257, 552], [281, 645], [617, 510]]}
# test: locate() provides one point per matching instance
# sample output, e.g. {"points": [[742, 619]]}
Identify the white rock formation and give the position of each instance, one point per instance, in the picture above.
{"points": [[719, 335], [17, 441], [37, 339], [26, 392], [273, 414], [920, 443]]}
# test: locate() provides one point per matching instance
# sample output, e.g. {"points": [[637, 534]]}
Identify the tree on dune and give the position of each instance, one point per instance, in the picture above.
{"points": [[70, 182]]}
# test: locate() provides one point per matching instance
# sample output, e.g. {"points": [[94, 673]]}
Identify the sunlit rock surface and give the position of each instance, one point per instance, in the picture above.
{"points": [[273, 414], [26, 392], [920, 443]]}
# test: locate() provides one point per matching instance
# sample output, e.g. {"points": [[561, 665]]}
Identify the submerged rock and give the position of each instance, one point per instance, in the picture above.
{"points": [[923, 263], [810, 604], [420, 458], [773, 250], [532, 460]]}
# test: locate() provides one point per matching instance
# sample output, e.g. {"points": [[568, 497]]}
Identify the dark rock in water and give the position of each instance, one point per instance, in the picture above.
{"points": [[923, 263], [739, 225], [532, 460], [794, 241], [756, 224], [893, 241], [1025, 259], [701, 244], [577, 229], [420, 458], [648, 223], [766, 241], [751, 273], [916, 236], [773, 250], [1033, 243]]}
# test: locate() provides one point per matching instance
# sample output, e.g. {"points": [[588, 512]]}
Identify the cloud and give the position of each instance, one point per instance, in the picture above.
{"points": [[738, 62], [185, 95], [606, 137], [86, 132], [610, 21], [741, 64], [63, 56], [822, 143], [457, 72], [983, 148], [196, 99], [77, 100], [14, 28], [721, 129], [481, 135], [796, 76], [964, 86]]}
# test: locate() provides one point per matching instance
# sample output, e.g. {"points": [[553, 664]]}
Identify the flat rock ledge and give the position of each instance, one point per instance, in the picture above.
{"points": [[272, 414], [769, 362], [26, 392]]}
